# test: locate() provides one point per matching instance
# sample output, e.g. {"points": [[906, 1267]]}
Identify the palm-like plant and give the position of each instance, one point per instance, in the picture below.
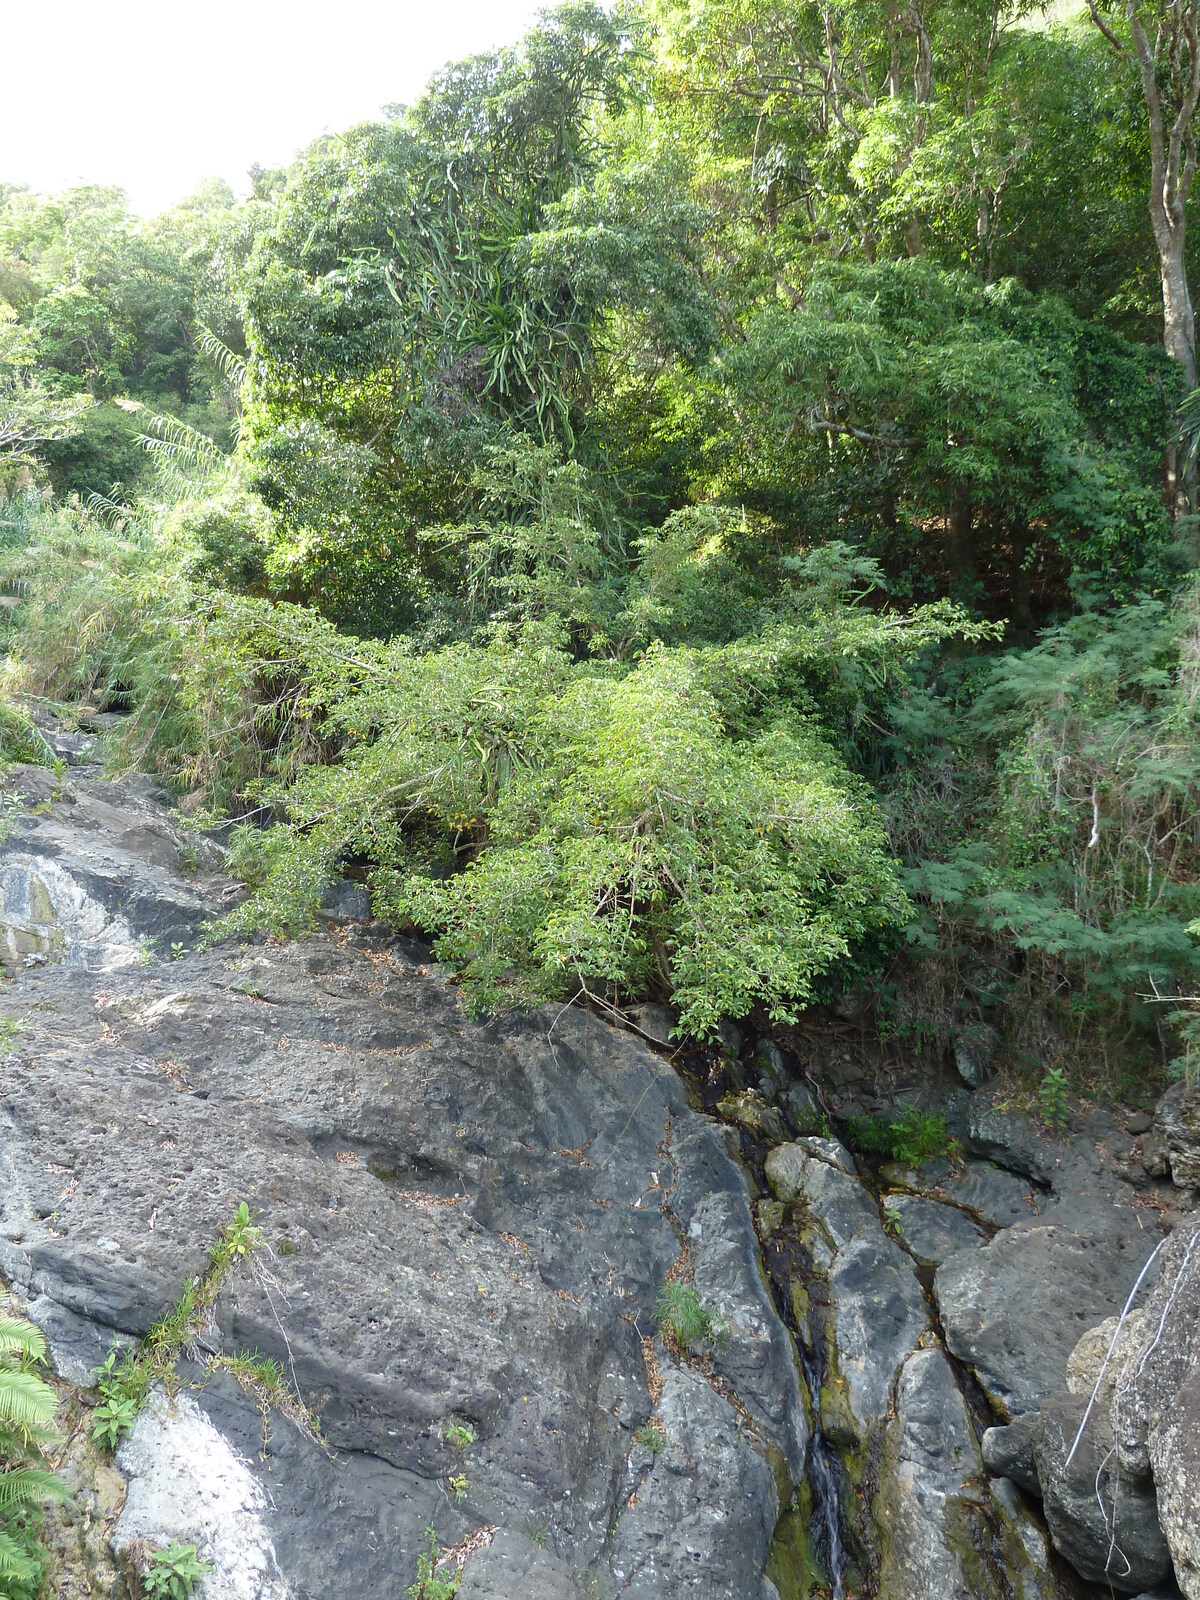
{"points": [[26, 1425]]}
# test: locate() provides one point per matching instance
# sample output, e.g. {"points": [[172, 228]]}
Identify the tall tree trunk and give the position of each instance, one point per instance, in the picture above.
{"points": [[1020, 577], [960, 556], [1179, 341], [1170, 73], [1179, 320]]}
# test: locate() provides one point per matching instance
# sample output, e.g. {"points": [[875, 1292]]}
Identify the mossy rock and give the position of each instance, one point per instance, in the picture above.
{"points": [[791, 1564]]}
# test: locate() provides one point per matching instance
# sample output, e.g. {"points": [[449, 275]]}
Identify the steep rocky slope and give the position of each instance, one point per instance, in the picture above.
{"points": [[467, 1224]]}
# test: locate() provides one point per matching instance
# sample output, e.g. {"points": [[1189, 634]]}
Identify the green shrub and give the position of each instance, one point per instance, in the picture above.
{"points": [[173, 1573], [431, 1583], [1052, 1099], [20, 741], [683, 1316], [911, 1138]]}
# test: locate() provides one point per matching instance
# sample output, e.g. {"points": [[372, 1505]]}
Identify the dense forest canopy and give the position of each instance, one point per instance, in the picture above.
{"points": [[702, 504]]}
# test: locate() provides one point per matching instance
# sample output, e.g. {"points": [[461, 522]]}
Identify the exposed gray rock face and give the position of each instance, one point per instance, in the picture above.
{"points": [[1015, 1309], [879, 1315], [186, 1482], [933, 1231], [1177, 1125], [947, 1536], [461, 1222], [512, 1567]]}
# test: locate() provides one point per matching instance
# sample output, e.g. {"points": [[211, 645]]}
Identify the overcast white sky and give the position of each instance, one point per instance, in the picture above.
{"points": [[154, 96]]}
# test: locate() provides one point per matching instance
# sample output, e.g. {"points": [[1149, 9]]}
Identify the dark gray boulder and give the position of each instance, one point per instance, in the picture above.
{"points": [[1008, 1452], [513, 1567], [1103, 1520], [699, 1523], [931, 1230]]}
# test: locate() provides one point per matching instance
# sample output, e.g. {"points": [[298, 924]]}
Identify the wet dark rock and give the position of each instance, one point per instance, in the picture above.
{"points": [[95, 870], [803, 1110], [729, 1039], [973, 1050], [749, 1110], [768, 1062], [346, 902]]}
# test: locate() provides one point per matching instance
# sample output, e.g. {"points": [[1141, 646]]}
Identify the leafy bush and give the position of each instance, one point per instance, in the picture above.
{"points": [[910, 1138], [434, 1581], [20, 740], [173, 1573], [611, 827], [1054, 819]]}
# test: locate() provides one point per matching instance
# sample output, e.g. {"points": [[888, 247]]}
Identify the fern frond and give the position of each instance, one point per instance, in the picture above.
{"points": [[21, 1338], [25, 1401], [231, 366], [15, 1565], [29, 1486]]}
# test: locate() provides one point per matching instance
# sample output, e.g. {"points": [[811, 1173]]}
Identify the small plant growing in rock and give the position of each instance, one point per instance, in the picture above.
{"points": [[1052, 1098], [458, 1487], [460, 1436], [177, 950], [651, 1437], [430, 1585], [239, 1238], [173, 1573], [893, 1221], [122, 1386], [684, 1317], [112, 1420]]}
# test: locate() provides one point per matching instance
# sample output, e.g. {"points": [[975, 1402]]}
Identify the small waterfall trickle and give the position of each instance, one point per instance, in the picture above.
{"points": [[784, 1260], [822, 1474]]}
